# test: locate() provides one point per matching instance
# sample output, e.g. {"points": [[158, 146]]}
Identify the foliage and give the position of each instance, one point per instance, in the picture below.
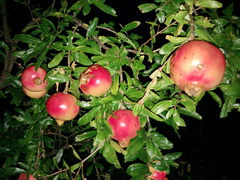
{"points": [[67, 37]]}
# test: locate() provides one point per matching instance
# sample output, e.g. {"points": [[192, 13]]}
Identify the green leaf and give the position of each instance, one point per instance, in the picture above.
{"points": [[176, 40], [10, 171], [130, 26], [86, 49], [105, 8], [209, 4], [187, 112], [92, 27], [85, 135], [87, 117], [137, 169], [56, 60], [76, 155], [172, 156], [59, 155], [151, 115], [232, 89], [26, 38], [133, 149], [151, 149], [162, 106], [110, 155], [216, 98], [177, 119], [81, 58], [166, 48], [161, 141], [161, 16], [147, 7]]}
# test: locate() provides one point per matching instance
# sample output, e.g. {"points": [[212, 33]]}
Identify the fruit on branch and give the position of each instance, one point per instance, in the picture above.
{"points": [[23, 176], [197, 66], [95, 80], [34, 94], [124, 126], [62, 107], [157, 175], [34, 80]]}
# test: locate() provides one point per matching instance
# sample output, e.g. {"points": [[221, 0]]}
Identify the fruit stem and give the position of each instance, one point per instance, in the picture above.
{"points": [[59, 122]]}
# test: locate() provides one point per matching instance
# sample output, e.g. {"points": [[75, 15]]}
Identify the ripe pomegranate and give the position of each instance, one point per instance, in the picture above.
{"points": [[23, 176], [62, 107], [34, 94], [95, 80], [197, 66], [124, 126], [34, 80], [157, 175]]}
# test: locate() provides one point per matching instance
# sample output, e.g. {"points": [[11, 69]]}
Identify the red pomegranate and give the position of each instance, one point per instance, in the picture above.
{"points": [[34, 79], [197, 66], [124, 126], [157, 175], [95, 80], [23, 176], [62, 107]]}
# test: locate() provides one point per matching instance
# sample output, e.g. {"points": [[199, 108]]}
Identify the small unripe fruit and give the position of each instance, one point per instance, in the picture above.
{"points": [[34, 80], [34, 94], [197, 66], [62, 107], [95, 80], [23, 176], [124, 126]]}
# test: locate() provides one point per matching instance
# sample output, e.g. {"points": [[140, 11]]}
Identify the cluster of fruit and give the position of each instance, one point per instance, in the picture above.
{"points": [[195, 67]]}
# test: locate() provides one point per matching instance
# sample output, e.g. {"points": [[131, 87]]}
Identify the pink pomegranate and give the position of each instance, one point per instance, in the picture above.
{"points": [[23, 176], [157, 175], [124, 126], [62, 107], [34, 79], [197, 66], [95, 80]]}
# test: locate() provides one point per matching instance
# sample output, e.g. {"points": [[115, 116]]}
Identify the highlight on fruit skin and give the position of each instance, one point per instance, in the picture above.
{"points": [[197, 66], [95, 80], [62, 107], [124, 126]]}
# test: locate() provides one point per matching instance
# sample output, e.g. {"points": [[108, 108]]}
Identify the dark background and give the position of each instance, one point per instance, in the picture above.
{"points": [[210, 147]]}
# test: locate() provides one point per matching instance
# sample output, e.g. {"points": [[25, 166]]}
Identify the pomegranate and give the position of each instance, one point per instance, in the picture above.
{"points": [[95, 80], [34, 80], [197, 66], [23, 176], [124, 126], [34, 94], [157, 175], [62, 107]]}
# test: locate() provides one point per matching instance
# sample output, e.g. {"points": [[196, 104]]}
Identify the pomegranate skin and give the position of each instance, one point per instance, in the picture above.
{"points": [[23, 176], [95, 80], [34, 80], [124, 126], [157, 175], [34, 94], [62, 107], [197, 66]]}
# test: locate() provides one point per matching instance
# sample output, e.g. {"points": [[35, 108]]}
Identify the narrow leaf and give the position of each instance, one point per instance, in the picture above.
{"points": [[92, 27], [130, 26], [56, 60]]}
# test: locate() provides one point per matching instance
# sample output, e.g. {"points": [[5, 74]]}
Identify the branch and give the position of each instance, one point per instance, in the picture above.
{"points": [[8, 58]]}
